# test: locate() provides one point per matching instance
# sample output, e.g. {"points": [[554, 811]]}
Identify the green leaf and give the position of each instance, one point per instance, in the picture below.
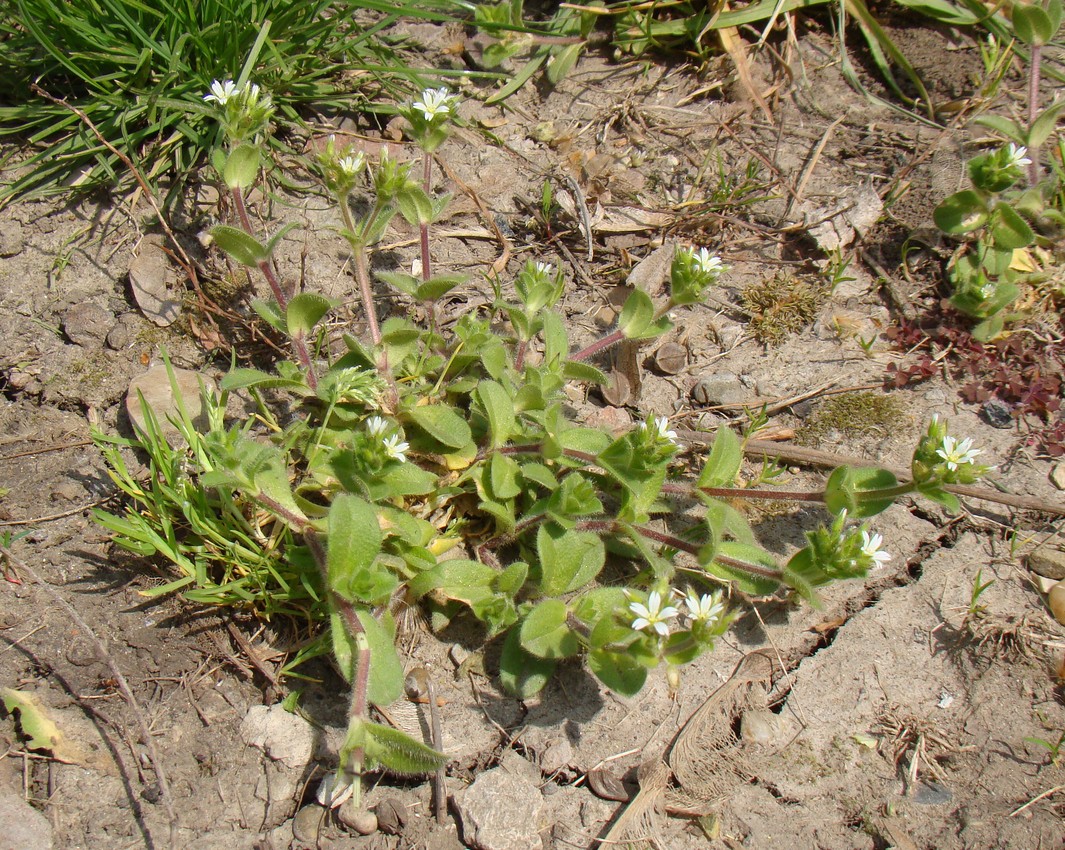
{"points": [[503, 475], [438, 286], [343, 644], [1010, 129], [37, 727], [1045, 124], [242, 247], [459, 579], [1031, 24], [385, 684], [617, 671], [242, 167], [398, 752], [499, 408], [636, 315], [414, 205], [545, 634], [724, 461], [568, 559], [405, 283], [750, 582], [239, 379], [575, 370], [847, 484], [442, 423], [962, 212], [355, 540], [305, 311], [270, 313], [942, 497], [510, 581], [521, 674], [562, 62], [1009, 230]]}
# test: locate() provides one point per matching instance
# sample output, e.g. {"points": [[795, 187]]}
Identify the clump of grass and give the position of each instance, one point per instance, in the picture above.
{"points": [[782, 305], [139, 71], [854, 415]]}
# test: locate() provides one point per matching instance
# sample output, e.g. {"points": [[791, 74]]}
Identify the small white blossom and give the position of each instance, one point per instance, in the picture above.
{"points": [[352, 165], [545, 269], [988, 289], [707, 608], [957, 454], [706, 263], [658, 426], [221, 92], [652, 614], [435, 102], [871, 544], [1017, 156], [376, 426], [396, 448]]}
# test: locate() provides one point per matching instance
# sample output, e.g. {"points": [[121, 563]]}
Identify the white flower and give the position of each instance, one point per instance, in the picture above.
{"points": [[658, 426], [1016, 156], [871, 544], [396, 448], [435, 102], [706, 263], [544, 269], [376, 426], [221, 92], [652, 614], [957, 454], [352, 165], [708, 608], [988, 289]]}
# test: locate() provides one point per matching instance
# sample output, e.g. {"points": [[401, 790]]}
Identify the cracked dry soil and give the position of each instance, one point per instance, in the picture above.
{"points": [[885, 720]]}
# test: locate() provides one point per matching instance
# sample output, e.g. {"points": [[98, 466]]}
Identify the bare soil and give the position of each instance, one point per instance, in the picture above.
{"points": [[888, 719]]}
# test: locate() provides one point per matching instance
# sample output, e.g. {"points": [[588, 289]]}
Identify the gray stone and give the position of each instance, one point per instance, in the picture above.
{"points": [[500, 811], [1057, 475], [148, 274], [723, 388], [556, 756], [281, 735], [12, 238], [154, 386], [87, 324], [21, 825], [1047, 562]]}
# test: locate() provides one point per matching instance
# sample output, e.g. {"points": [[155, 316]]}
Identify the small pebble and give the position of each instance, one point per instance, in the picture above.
{"points": [[996, 413], [307, 822], [357, 818]]}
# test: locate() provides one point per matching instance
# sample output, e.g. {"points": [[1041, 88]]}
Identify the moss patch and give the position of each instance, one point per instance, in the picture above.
{"points": [[781, 305], [854, 415]]}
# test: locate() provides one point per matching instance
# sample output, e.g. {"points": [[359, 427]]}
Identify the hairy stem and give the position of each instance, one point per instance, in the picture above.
{"points": [[1033, 110]]}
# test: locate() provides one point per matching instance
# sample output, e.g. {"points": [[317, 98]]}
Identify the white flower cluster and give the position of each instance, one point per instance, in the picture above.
{"points": [[395, 447], [224, 91], [707, 609], [436, 103]]}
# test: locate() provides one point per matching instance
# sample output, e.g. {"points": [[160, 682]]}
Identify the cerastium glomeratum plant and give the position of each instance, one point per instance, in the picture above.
{"points": [[438, 466]]}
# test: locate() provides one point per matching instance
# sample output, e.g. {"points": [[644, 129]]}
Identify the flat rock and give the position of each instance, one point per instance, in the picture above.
{"points": [[148, 279], [12, 238], [1057, 476], [1047, 562], [500, 811], [281, 735], [21, 825], [723, 388], [88, 324], [154, 385]]}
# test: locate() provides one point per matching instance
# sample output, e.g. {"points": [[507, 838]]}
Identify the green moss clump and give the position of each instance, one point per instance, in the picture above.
{"points": [[854, 415], [782, 305]]}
